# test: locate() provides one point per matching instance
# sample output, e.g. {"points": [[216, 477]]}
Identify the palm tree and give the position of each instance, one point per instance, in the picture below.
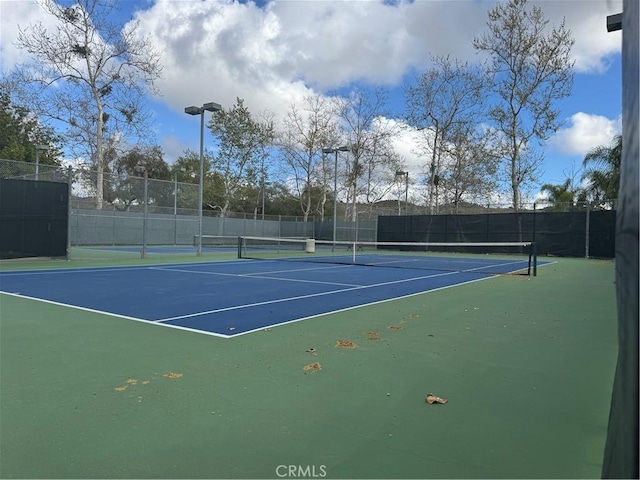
{"points": [[560, 196], [604, 175]]}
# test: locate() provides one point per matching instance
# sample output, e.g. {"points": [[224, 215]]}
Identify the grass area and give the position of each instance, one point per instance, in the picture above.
{"points": [[526, 364]]}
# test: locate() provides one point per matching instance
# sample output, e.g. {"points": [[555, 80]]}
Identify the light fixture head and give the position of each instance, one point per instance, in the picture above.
{"points": [[212, 107], [192, 110]]}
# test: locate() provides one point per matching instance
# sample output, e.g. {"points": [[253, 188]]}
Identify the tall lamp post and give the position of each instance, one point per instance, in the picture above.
{"points": [[335, 186], [207, 107], [38, 148], [406, 189]]}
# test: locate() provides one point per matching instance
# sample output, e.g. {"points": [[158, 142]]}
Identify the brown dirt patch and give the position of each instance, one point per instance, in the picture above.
{"points": [[345, 344], [312, 367]]}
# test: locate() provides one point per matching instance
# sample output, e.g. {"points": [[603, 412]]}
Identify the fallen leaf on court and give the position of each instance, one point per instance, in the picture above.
{"points": [[373, 338], [413, 315], [345, 344], [146, 382], [172, 375], [395, 327], [121, 388], [313, 367], [372, 333], [312, 351], [132, 381], [431, 399]]}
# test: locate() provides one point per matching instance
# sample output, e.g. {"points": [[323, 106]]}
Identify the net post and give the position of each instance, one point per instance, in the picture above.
{"points": [[534, 253], [239, 247]]}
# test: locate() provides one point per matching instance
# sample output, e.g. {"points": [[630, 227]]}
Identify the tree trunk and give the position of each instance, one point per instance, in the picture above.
{"points": [[99, 162]]}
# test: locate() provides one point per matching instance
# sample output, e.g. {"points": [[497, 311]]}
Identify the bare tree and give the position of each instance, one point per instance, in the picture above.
{"points": [[89, 73], [531, 68], [368, 137], [472, 165], [306, 132], [447, 97], [379, 166]]}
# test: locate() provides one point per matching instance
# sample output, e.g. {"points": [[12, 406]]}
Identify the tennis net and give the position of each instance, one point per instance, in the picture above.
{"points": [[492, 258], [219, 241]]}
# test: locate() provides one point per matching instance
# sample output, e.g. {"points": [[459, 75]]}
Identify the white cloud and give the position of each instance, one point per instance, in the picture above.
{"points": [[172, 148], [585, 132], [586, 19], [272, 55], [12, 16]]}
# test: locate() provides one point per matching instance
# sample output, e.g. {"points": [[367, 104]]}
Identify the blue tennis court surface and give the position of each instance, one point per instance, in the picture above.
{"points": [[227, 298]]}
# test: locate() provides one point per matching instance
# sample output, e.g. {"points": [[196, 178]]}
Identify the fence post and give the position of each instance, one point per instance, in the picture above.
{"points": [[586, 239], [533, 227], [69, 185]]}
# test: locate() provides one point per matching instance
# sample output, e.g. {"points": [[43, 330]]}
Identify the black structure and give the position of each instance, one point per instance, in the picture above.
{"points": [[570, 234], [34, 218]]}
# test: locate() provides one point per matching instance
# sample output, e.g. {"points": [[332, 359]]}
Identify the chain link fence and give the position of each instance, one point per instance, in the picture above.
{"points": [[172, 215]]}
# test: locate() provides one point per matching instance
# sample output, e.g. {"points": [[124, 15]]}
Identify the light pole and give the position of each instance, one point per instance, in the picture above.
{"points": [[38, 148], [335, 187], [208, 107], [406, 189]]}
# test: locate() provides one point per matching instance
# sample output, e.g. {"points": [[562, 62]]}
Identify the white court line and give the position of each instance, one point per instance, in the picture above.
{"points": [[116, 268], [299, 297], [220, 335], [258, 276], [346, 309], [117, 315]]}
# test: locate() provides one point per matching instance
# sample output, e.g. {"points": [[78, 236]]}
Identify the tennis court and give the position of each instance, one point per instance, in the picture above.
{"points": [[238, 297], [525, 362]]}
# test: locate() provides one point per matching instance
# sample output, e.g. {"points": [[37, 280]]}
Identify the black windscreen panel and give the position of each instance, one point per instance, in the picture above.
{"points": [[34, 219], [555, 233]]}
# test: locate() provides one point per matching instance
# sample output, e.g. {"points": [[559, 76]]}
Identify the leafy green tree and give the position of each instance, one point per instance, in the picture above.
{"points": [[602, 171], [279, 200], [244, 144], [531, 68], [20, 132], [187, 168], [125, 185]]}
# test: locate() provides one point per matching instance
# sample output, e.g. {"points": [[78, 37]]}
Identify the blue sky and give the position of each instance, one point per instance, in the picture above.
{"points": [[274, 53]]}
